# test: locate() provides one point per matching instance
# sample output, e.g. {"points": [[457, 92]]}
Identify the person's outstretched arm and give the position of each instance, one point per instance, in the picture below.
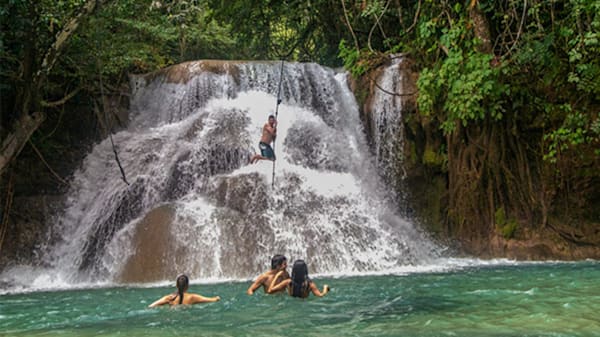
{"points": [[162, 301], [195, 298], [255, 285], [315, 289], [275, 287]]}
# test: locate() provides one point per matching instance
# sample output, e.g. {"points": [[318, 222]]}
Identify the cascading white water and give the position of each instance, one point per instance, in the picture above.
{"points": [[386, 119], [186, 154]]}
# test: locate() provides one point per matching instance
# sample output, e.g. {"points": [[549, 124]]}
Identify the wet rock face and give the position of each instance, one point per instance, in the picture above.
{"points": [[164, 244], [247, 221], [181, 180], [155, 251], [242, 202], [312, 146], [540, 245], [222, 150], [245, 194]]}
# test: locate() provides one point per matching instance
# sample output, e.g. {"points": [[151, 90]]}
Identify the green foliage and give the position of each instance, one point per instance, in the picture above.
{"points": [[141, 36], [435, 158], [506, 227], [557, 63], [509, 229], [359, 62], [463, 87], [372, 8], [295, 30], [27, 29], [583, 51], [119, 37], [543, 72], [576, 130], [500, 216], [352, 59]]}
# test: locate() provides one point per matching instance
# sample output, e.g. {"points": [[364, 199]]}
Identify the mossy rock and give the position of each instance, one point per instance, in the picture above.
{"points": [[433, 158], [506, 227]]}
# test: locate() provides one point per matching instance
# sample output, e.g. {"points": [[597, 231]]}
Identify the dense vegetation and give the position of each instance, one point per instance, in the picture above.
{"points": [[510, 88], [514, 88]]}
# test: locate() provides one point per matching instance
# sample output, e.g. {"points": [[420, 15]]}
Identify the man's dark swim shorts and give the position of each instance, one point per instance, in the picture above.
{"points": [[266, 150]]}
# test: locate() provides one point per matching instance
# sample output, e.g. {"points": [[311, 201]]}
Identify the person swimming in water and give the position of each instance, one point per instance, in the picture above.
{"points": [[278, 272], [182, 296], [300, 285]]}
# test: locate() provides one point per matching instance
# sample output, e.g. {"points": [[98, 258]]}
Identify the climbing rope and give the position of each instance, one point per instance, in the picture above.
{"points": [[276, 114], [106, 120]]}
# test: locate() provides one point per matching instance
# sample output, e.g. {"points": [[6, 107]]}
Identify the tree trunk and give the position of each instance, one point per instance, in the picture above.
{"points": [[14, 142], [28, 122], [52, 54], [481, 27]]}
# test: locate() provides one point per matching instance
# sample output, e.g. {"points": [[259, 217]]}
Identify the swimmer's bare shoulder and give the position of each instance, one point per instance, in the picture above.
{"points": [[260, 281]]}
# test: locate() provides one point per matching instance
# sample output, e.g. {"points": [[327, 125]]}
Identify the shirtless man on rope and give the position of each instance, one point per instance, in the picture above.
{"points": [[269, 132]]}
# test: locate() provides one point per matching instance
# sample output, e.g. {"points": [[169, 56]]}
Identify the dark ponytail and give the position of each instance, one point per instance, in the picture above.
{"points": [[182, 284], [299, 278]]}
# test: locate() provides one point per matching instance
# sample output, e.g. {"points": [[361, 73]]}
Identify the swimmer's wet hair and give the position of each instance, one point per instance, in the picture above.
{"points": [[277, 261], [300, 278], [182, 283]]}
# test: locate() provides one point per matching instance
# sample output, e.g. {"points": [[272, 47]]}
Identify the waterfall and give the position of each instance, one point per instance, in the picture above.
{"points": [[195, 205], [387, 125]]}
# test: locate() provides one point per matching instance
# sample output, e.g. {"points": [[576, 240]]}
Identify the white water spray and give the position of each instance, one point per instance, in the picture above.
{"points": [[389, 103]]}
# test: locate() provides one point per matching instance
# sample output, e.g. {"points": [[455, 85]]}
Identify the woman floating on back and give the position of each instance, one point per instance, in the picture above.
{"points": [[181, 296], [300, 285]]}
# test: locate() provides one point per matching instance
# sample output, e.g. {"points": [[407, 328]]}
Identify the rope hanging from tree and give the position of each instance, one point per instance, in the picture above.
{"points": [[106, 120], [276, 114]]}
